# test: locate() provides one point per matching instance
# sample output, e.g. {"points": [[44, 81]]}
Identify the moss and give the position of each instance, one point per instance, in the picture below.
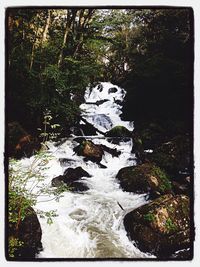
{"points": [[170, 226], [165, 184], [150, 217], [119, 131]]}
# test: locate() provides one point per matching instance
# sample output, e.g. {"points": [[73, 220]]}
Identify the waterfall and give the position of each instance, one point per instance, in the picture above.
{"points": [[90, 224]]}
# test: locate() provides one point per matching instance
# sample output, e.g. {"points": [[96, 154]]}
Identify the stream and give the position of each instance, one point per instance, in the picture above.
{"points": [[89, 224]]}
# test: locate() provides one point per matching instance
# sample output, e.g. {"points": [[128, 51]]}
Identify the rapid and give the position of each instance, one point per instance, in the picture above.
{"points": [[90, 224]]}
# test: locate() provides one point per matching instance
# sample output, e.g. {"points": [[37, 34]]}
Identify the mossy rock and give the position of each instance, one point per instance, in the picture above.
{"points": [[72, 179], [151, 134], [89, 150], [118, 131], [20, 143], [28, 234], [173, 156], [162, 226], [144, 178]]}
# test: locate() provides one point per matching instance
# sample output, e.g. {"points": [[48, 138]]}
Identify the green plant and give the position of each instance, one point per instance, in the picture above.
{"points": [[150, 217], [170, 226], [165, 182], [49, 132], [14, 243], [25, 185]]}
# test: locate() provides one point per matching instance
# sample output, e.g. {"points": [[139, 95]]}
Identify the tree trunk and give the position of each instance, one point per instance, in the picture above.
{"points": [[46, 28], [70, 19], [60, 58], [33, 50]]}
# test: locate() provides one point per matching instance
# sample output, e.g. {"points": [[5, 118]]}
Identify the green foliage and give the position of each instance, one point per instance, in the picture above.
{"points": [[14, 243], [25, 185], [50, 130], [150, 217], [170, 226], [165, 182]]}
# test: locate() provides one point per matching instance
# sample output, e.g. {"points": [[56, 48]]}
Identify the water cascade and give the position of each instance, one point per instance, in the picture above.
{"points": [[89, 224]]}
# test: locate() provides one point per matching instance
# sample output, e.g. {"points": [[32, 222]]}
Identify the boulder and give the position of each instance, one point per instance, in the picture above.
{"points": [[89, 150], [152, 134], [162, 226], [28, 233], [174, 156], [112, 90], [118, 131], [144, 178], [20, 143], [71, 178], [117, 134]]}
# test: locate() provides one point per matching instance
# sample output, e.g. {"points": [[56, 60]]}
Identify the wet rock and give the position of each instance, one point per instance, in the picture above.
{"points": [[20, 143], [162, 226], [144, 178], [151, 134], [57, 181], [72, 179], [118, 102], [78, 186], [89, 129], [99, 102], [29, 233], [89, 150], [112, 90], [113, 151], [65, 161], [138, 148], [118, 131], [173, 156], [184, 254], [79, 139], [100, 87]]}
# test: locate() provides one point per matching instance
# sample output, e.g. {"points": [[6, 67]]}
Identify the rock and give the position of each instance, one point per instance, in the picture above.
{"points": [[173, 156], [57, 181], [113, 151], [27, 147], [118, 102], [184, 254], [98, 103], [21, 143], [162, 226], [79, 139], [181, 188], [29, 233], [15, 132], [144, 178], [138, 148], [118, 131], [151, 134], [66, 161], [78, 186], [112, 90], [100, 87], [71, 178], [89, 150]]}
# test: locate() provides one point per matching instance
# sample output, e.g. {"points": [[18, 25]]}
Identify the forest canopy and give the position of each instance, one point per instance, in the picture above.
{"points": [[54, 54]]}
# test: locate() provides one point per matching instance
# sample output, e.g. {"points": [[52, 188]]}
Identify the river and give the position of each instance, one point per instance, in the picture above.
{"points": [[90, 224]]}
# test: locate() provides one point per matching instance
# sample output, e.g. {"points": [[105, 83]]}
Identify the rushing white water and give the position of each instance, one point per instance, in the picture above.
{"points": [[106, 115], [90, 224]]}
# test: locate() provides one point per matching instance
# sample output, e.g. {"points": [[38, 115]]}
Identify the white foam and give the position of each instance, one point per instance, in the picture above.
{"points": [[89, 224]]}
